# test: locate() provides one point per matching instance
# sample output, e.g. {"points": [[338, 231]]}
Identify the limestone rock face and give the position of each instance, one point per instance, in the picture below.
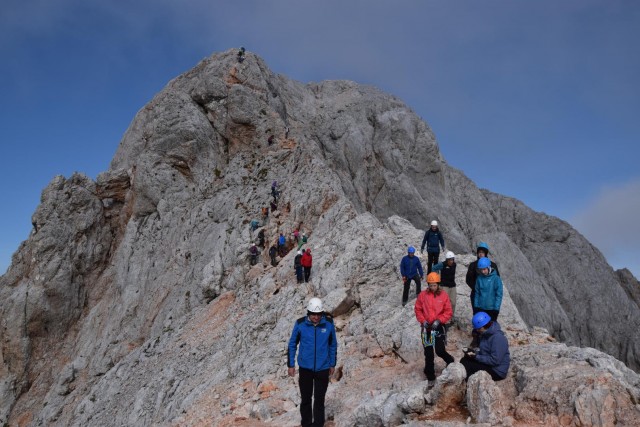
{"points": [[133, 301]]}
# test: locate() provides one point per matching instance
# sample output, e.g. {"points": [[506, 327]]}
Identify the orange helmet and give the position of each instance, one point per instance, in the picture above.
{"points": [[433, 277]]}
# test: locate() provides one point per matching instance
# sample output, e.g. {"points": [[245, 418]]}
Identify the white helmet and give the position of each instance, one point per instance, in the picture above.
{"points": [[434, 222], [450, 255], [315, 305]]}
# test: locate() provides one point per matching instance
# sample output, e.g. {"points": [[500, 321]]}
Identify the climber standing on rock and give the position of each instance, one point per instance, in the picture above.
{"points": [[307, 263], [482, 251], [488, 297], [274, 191], [297, 265], [410, 269], [433, 240], [272, 254], [448, 275], [282, 242], [492, 354], [316, 337], [433, 311]]}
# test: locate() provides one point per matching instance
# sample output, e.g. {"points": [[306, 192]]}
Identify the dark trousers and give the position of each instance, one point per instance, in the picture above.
{"points": [[429, 359], [299, 274], [472, 366], [273, 260], [493, 313], [432, 258], [312, 384], [407, 284], [307, 273]]}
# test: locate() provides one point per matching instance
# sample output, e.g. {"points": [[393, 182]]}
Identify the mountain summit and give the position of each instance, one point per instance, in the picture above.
{"points": [[133, 301]]}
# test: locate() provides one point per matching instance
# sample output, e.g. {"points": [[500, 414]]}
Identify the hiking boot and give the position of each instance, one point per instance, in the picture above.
{"points": [[404, 303]]}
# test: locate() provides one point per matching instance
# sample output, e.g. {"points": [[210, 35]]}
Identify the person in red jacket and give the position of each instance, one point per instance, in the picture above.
{"points": [[306, 262], [433, 311]]}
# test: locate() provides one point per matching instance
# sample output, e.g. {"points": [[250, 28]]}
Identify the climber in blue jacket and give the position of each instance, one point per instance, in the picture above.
{"points": [[410, 269], [492, 354], [488, 290], [316, 337]]}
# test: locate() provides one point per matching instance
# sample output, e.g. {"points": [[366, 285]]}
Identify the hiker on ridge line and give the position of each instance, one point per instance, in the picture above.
{"points": [[307, 263], [315, 336], [410, 269], [433, 311], [433, 239]]}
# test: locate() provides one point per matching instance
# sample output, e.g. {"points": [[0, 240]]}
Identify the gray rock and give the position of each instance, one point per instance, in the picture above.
{"points": [[138, 283], [484, 399]]}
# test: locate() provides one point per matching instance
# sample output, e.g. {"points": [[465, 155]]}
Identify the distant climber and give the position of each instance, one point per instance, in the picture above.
{"points": [[286, 132], [482, 250], [241, 54], [492, 354], [302, 241], [316, 336], [296, 235], [261, 238], [273, 251], [448, 278], [253, 251], [307, 263], [297, 265], [273, 206], [433, 311], [488, 295], [282, 243], [270, 140], [433, 239], [410, 269], [255, 224], [265, 214], [275, 192]]}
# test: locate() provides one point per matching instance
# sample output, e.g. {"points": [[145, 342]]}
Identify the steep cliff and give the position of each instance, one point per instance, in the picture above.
{"points": [[137, 287]]}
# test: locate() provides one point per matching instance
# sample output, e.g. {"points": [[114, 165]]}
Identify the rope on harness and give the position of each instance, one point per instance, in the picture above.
{"points": [[428, 337]]}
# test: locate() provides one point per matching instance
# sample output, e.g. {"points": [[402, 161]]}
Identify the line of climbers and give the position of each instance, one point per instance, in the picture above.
{"points": [[435, 309]]}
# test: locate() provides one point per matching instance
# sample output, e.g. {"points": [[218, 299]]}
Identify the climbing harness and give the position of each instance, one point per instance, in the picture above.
{"points": [[429, 336]]}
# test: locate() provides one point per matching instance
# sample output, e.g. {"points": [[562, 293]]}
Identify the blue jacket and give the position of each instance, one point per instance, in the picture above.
{"points": [[433, 240], [410, 266], [488, 291], [494, 350], [318, 345]]}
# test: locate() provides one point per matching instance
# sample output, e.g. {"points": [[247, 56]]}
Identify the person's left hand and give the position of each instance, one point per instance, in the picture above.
{"points": [[292, 372]]}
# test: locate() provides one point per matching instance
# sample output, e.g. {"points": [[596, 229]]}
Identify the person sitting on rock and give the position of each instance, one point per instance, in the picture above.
{"points": [[488, 297], [448, 275], [433, 240], [433, 311], [410, 269], [492, 354], [482, 251]]}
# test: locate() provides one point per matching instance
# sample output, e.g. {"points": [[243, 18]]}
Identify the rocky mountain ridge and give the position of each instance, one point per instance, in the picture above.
{"points": [[132, 302]]}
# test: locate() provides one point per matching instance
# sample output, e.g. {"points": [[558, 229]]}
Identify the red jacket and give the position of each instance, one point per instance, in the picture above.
{"points": [[306, 260], [430, 307]]}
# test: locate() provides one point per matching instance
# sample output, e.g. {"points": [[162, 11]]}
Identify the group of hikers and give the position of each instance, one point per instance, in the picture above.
{"points": [[303, 261], [314, 337]]}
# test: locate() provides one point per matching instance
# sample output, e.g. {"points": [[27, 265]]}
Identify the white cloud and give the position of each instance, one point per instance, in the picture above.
{"points": [[611, 222]]}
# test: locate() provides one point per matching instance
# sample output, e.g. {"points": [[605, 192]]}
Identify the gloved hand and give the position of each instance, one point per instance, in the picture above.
{"points": [[435, 324], [425, 324]]}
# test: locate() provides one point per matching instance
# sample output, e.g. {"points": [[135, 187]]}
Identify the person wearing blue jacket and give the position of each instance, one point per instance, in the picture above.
{"points": [[488, 290], [492, 354], [433, 239], [315, 336], [410, 269]]}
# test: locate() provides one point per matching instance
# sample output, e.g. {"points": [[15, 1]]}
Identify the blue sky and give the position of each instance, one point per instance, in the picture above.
{"points": [[537, 100]]}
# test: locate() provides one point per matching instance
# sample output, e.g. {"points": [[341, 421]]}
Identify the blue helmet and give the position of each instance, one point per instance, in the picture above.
{"points": [[484, 262], [480, 319], [411, 249], [483, 245]]}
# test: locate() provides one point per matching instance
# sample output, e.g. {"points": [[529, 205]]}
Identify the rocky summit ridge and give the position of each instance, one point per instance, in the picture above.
{"points": [[133, 301]]}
